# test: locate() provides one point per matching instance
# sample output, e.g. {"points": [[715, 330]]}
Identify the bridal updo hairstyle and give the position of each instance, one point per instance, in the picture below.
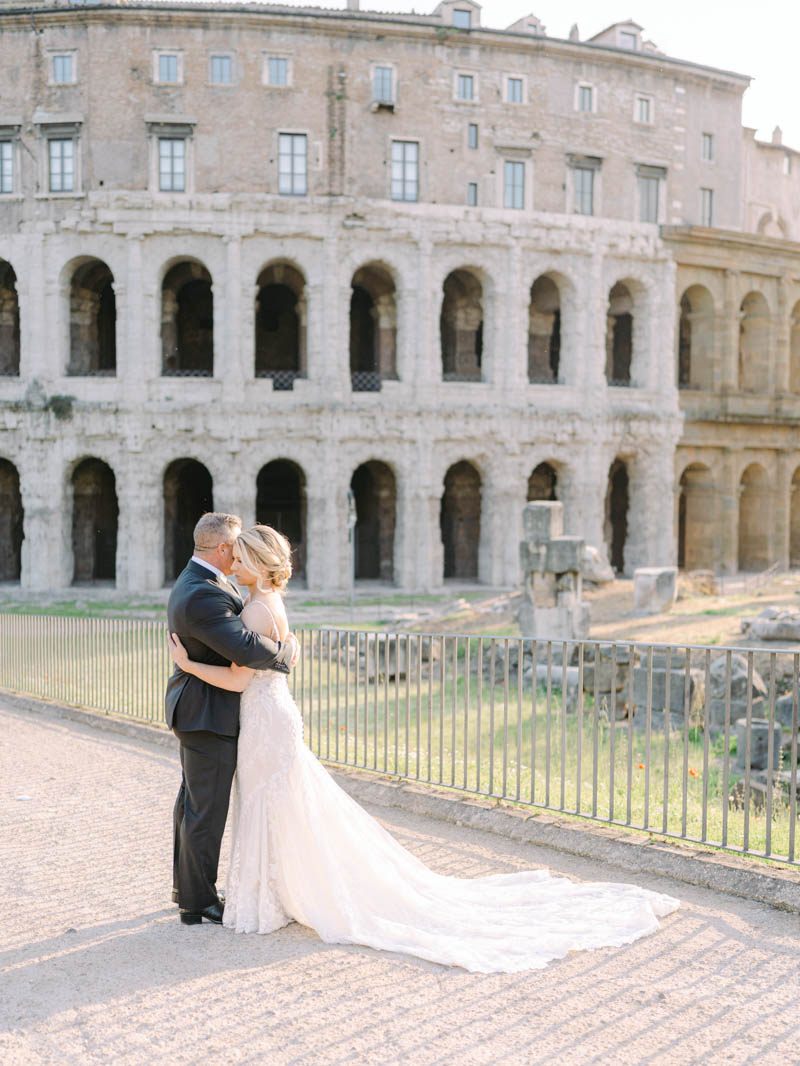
{"points": [[267, 553]]}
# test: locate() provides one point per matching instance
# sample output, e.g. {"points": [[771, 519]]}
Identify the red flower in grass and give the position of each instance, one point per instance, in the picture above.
{"points": [[640, 766], [693, 772]]}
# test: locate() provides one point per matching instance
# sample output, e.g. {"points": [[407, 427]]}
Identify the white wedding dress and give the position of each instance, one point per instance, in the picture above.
{"points": [[302, 849]]}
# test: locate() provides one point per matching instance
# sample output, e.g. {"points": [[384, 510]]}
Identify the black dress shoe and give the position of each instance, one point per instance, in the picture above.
{"points": [[212, 913], [175, 897]]}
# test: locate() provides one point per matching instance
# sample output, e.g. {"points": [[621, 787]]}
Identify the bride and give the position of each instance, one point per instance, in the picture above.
{"points": [[302, 849]]}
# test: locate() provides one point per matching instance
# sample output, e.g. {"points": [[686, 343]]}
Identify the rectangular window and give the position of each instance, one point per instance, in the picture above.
{"points": [[514, 185], [514, 90], [221, 70], [462, 19], [583, 179], [706, 207], [708, 147], [585, 98], [627, 40], [6, 166], [172, 164], [472, 194], [644, 110], [466, 87], [62, 70], [787, 164], [292, 169], [278, 71], [62, 165], [472, 135], [405, 170], [382, 85], [168, 68], [648, 199]]}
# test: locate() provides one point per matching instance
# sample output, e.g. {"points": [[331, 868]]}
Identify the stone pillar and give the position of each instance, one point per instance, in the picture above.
{"points": [[781, 333], [510, 359], [498, 560], [728, 348], [589, 365], [651, 539], [230, 343], [37, 359], [334, 371], [726, 554], [780, 526], [428, 361]]}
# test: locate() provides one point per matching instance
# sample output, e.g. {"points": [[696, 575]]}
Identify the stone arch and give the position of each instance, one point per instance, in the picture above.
{"points": [[92, 321], [11, 522], [9, 322], [620, 334], [187, 321], [281, 503], [280, 323], [373, 328], [544, 331], [754, 517], [696, 339], [460, 521], [794, 350], [754, 343], [95, 515], [616, 511], [696, 508], [543, 483], [794, 521], [375, 491], [188, 494], [461, 326]]}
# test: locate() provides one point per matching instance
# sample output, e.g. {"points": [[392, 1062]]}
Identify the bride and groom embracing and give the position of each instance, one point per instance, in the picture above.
{"points": [[302, 849]]}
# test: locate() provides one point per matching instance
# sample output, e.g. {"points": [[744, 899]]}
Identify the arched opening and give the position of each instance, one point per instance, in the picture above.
{"points": [[188, 494], [461, 327], [375, 494], [696, 519], [281, 503], [754, 330], [95, 513], [544, 331], [619, 335], [543, 483], [794, 351], [9, 322], [187, 321], [616, 522], [281, 325], [460, 521], [11, 523], [754, 518], [92, 321], [696, 339], [794, 521], [373, 328]]}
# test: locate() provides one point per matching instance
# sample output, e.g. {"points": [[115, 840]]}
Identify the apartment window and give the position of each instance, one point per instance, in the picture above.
{"points": [[405, 170], [472, 135], [6, 166], [382, 85], [648, 199], [787, 164], [707, 145], [292, 164], [514, 185], [462, 19], [171, 164], [472, 194], [221, 70], [61, 155], [628, 40], [706, 207], [643, 110], [168, 68], [583, 183], [585, 100], [63, 69], [277, 71], [465, 88], [514, 90]]}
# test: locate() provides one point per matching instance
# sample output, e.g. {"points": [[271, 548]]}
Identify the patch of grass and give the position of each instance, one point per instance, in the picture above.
{"points": [[722, 610]]}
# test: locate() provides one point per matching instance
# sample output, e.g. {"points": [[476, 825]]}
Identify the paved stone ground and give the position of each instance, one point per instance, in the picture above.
{"points": [[95, 967]]}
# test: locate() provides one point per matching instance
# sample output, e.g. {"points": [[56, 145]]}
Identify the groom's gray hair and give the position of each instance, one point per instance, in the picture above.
{"points": [[214, 528]]}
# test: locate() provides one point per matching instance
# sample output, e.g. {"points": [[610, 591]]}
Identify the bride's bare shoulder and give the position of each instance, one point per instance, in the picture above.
{"points": [[257, 619]]}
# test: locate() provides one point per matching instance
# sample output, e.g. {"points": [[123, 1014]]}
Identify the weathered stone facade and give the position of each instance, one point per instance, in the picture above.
{"points": [[228, 345]]}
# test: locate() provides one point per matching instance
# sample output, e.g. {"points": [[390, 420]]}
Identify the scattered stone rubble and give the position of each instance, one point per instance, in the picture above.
{"points": [[773, 623]]}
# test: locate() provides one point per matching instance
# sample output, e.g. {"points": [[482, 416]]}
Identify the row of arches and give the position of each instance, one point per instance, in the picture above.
{"points": [[280, 314]]}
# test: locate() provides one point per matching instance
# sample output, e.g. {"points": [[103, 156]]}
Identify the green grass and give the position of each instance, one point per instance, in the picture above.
{"points": [[83, 608]]}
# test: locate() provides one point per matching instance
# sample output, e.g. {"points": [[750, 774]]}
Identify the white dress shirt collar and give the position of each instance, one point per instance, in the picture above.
{"points": [[208, 566]]}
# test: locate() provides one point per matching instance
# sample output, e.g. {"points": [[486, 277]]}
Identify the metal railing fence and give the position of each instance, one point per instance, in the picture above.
{"points": [[693, 743]]}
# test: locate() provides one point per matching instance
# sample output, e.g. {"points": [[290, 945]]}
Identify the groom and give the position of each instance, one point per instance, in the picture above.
{"points": [[204, 611]]}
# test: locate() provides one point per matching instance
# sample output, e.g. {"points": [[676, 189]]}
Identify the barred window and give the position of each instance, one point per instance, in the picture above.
{"points": [[292, 164], [583, 178], [62, 165], [405, 171], [514, 185], [172, 164]]}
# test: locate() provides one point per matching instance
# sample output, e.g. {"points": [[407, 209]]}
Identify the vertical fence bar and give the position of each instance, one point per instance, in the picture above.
{"points": [[534, 700], [612, 733], [454, 714], [548, 723], [629, 731], [793, 767], [687, 692], [726, 750], [648, 725], [337, 703], [430, 705], [706, 730], [356, 690], [386, 640], [579, 744], [492, 680], [418, 707], [347, 697], [467, 699], [747, 751], [595, 728], [375, 702], [479, 687], [773, 662], [504, 791], [520, 661], [442, 663], [408, 696], [665, 799], [564, 690], [329, 671]]}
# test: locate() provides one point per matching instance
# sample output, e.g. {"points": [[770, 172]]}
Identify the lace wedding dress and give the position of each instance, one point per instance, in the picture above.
{"points": [[304, 850]]}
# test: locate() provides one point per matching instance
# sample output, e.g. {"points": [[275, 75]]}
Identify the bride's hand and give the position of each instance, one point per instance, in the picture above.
{"points": [[177, 651]]}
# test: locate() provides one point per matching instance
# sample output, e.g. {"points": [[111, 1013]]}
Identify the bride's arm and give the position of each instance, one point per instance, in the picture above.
{"points": [[233, 678]]}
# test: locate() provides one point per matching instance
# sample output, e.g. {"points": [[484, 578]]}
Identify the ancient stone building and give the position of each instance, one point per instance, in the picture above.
{"points": [[255, 258]]}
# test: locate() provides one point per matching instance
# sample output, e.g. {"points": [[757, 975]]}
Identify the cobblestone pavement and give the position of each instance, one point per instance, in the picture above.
{"points": [[96, 968]]}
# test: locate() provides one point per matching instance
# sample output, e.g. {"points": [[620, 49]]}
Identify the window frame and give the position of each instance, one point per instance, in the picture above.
{"points": [[288, 59], [473, 142], [158, 53], [512, 165], [577, 162], [167, 128], [391, 100], [580, 194], [404, 142], [628, 40], [706, 200], [472, 194], [707, 140], [523, 89], [62, 53], [163, 140], [592, 89], [9, 135], [642, 98], [471, 74], [296, 136], [231, 60], [646, 172], [462, 11], [62, 139]]}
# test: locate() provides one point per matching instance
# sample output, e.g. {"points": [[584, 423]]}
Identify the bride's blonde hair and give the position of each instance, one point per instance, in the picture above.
{"points": [[267, 553]]}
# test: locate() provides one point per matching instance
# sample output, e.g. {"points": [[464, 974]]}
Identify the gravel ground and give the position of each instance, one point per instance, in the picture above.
{"points": [[96, 968]]}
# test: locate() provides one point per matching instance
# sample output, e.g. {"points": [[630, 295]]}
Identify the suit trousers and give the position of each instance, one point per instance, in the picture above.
{"points": [[208, 761]]}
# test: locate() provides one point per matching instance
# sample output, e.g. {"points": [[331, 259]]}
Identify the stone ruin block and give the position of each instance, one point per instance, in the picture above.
{"points": [[759, 744], [564, 554], [543, 520], [655, 588]]}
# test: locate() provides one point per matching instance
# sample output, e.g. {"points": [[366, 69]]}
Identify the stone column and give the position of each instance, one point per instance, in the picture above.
{"points": [[781, 334], [590, 359], [333, 373], [510, 361], [37, 360], [726, 554], [229, 343], [729, 334], [424, 327], [780, 526]]}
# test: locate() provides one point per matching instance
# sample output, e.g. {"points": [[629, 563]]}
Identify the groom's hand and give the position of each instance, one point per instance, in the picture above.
{"points": [[296, 652]]}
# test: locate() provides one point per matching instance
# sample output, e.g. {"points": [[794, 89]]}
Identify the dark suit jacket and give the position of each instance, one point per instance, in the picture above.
{"points": [[204, 611]]}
